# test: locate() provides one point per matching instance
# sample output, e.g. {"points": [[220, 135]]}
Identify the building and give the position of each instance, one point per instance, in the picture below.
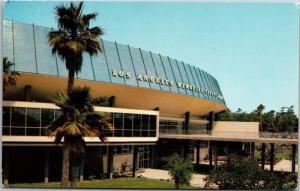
{"points": [[158, 105]]}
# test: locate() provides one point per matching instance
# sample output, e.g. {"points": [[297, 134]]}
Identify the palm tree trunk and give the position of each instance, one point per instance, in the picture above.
{"points": [[65, 168], [71, 79], [176, 184]]}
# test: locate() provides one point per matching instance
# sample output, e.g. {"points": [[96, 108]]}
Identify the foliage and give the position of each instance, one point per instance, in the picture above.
{"points": [[181, 170], [9, 76], [242, 174], [284, 120], [74, 36], [78, 120]]}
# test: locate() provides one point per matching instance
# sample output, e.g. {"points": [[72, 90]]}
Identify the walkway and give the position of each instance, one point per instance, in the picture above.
{"points": [[197, 179]]}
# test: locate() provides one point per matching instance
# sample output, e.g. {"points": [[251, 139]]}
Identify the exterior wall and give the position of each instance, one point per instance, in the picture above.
{"points": [[236, 129], [26, 45]]}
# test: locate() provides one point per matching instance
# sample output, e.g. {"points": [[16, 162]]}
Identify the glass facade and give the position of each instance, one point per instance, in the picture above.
{"points": [[27, 46], [32, 122]]}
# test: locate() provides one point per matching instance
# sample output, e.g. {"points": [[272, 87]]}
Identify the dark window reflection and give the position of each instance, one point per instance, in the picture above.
{"points": [[6, 131], [137, 125], [128, 125], [33, 117], [6, 116], [152, 122], [47, 116], [18, 116], [118, 124], [17, 131], [32, 131]]}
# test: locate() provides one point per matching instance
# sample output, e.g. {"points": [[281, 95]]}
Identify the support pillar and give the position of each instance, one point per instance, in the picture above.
{"points": [[6, 167], [112, 101], [27, 93], [293, 158], [211, 118], [81, 172], [215, 157], [272, 157], [186, 122], [197, 153], [46, 171], [210, 153], [110, 161], [263, 154], [135, 160], [252, 149]]}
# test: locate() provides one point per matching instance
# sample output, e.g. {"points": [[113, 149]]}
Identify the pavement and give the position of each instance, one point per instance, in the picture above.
{"points": [[283, 165], [197, 179]]}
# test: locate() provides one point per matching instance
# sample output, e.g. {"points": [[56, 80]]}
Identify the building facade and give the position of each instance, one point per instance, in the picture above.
{"points": [[153, 100]]}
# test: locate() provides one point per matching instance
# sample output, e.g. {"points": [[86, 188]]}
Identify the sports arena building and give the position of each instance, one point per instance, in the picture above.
{"points": [[158, 105]]}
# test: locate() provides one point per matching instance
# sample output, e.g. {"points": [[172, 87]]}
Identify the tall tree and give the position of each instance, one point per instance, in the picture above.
{"points": [[181, 170], [260, 110], [9, 77], [74, 37], [79, 120]]}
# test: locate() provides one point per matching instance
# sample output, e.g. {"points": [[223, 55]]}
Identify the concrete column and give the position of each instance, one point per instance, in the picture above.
{"points": [[272, 157], [252, 149], [81, 171], [210, 153], [135, 160], [293, 158], [112, 101], [263, 154], [6, 167], [46, 171], [110, 161], [27, 93], [197, 153], [211, 118], [215, 152], [186, 122]]}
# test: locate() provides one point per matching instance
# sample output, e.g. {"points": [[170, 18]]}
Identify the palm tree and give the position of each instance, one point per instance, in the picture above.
{"points": [[260, 109], [78, 120], [9, 77], [73, 37]]}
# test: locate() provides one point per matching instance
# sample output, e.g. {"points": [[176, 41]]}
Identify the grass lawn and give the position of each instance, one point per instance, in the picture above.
{"points": [[114, 183]]}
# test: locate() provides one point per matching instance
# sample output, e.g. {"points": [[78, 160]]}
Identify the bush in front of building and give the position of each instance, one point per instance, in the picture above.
{"points": [[180, 169], [239, 173]]}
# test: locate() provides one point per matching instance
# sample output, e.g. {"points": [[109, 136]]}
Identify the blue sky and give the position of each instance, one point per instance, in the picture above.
{"points": [[252, 49]]}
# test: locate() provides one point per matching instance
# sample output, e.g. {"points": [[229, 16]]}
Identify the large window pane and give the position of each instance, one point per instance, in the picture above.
{"points": [[113, 61], [24, 48], [145, 125], [6, 116], [128, 122], [33, 131], [86, 72], [150, 68], [178, 76], [153, 122], [138, 65], [137, 125], [189, 78], [47, 116], [169, 73], [160, 70], [33, 117], [127, 64], [7, 40], [118, 124], [18, 116], [45, 60], [100, 66], [18, 131], [196, 81]]}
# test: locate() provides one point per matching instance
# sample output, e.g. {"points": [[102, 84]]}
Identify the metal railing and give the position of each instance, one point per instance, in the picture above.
{"points": [[228, 133]]}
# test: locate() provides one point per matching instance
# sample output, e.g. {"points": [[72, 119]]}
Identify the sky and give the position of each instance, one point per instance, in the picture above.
{"points": [[252, 49]]}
